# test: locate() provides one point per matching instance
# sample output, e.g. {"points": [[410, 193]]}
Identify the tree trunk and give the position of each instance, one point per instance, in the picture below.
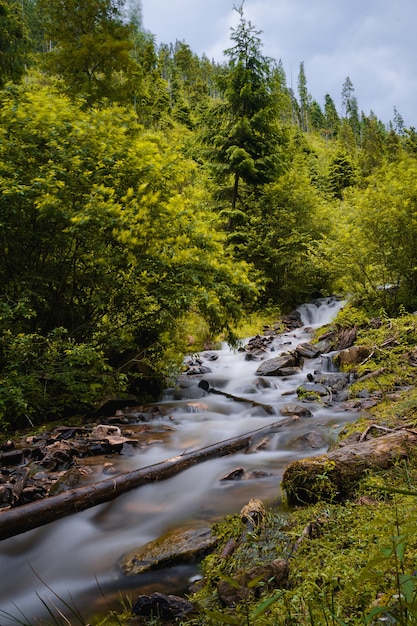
{"points": [[334, 476], [18, 520]]}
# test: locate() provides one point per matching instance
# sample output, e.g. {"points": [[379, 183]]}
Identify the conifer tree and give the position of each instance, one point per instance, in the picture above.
{"points": [[243, 126]]}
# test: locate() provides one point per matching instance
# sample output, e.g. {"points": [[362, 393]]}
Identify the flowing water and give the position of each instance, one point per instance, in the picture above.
{"points": [[75, 558]]}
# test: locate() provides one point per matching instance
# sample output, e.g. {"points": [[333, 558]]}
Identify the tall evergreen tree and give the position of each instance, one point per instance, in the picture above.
{"points": [[332, 121], [243, 128], [305, 98]]}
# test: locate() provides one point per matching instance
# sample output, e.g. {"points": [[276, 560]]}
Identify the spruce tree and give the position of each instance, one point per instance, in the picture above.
{"points": [[242, 128]]}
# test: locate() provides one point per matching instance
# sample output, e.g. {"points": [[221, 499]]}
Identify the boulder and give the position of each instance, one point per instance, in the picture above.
{"points": [[181, 545], [273, 367], [307, 351], [295, 408], [352, 356]]}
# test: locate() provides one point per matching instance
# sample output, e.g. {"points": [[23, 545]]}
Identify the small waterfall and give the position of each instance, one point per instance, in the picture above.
{"points": [[320, 312]]}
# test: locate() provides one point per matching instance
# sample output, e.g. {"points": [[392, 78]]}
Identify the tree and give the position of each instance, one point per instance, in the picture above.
{"points": [[380, 255], [90, 43], [242, 128], [317, 117], [283, 236], [331, 117], [350, 107], [373, 148], [114, 246], [342, 173], [305, 99], [14, 44]]}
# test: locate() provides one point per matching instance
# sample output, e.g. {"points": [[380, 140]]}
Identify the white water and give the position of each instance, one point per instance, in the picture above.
{"points": [[72, 554]]}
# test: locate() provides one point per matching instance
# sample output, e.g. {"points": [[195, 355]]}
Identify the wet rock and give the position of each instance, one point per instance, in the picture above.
{"points": [[159, 605], [196, 370], [312, 441], [288, 371], [352, 356], [236, 474], [295, 408], [292, 320], [256, 474], [12, 457], [240, 474], [181, 545], [273, 367], [67, 481], [101, 431], [307, 351], [312, 391]]}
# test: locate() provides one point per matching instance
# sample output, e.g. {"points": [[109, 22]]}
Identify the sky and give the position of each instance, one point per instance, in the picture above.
{"points": [[373, 42]]}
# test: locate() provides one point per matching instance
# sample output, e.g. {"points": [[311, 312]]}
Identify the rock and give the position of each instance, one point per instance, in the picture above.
{"points": [[196, 370], [273, 367], [159, 605], [256, 474], [352, 356], [295, 408], [236, 474], [288, 371], [101, 431], [292, 320], [307, 351], [253, 514], [69, 479], [181, 545], [312, 440], [312, 390]]}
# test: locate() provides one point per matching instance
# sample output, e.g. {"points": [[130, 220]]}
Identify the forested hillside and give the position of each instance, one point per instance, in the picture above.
{"points": [[146, 190]]}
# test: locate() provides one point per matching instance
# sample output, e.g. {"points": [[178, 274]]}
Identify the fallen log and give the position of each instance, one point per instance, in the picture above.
{"points": [[20, 519], [204, 384], [334, 476]]}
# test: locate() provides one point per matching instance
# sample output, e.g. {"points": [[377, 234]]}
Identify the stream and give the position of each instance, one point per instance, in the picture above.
{"points": [[76, 558]]}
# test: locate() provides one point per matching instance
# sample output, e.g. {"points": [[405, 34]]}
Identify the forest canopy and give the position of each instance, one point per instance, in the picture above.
{"points": [[143, 185]]}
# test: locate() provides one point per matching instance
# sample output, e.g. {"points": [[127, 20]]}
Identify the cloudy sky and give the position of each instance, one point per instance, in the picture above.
{"points": [[373, 42]]}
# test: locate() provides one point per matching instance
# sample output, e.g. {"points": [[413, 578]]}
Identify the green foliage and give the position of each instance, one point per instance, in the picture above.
{"points": [[14, 44], [88, 46], [113, 243], [284, 236], [378, 250]]}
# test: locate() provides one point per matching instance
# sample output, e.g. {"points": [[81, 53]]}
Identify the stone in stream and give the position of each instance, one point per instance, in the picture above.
{"points": [[311, 440], [181, 545], [239, 474], [307, 351], [274, 367], [295, 408]]}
